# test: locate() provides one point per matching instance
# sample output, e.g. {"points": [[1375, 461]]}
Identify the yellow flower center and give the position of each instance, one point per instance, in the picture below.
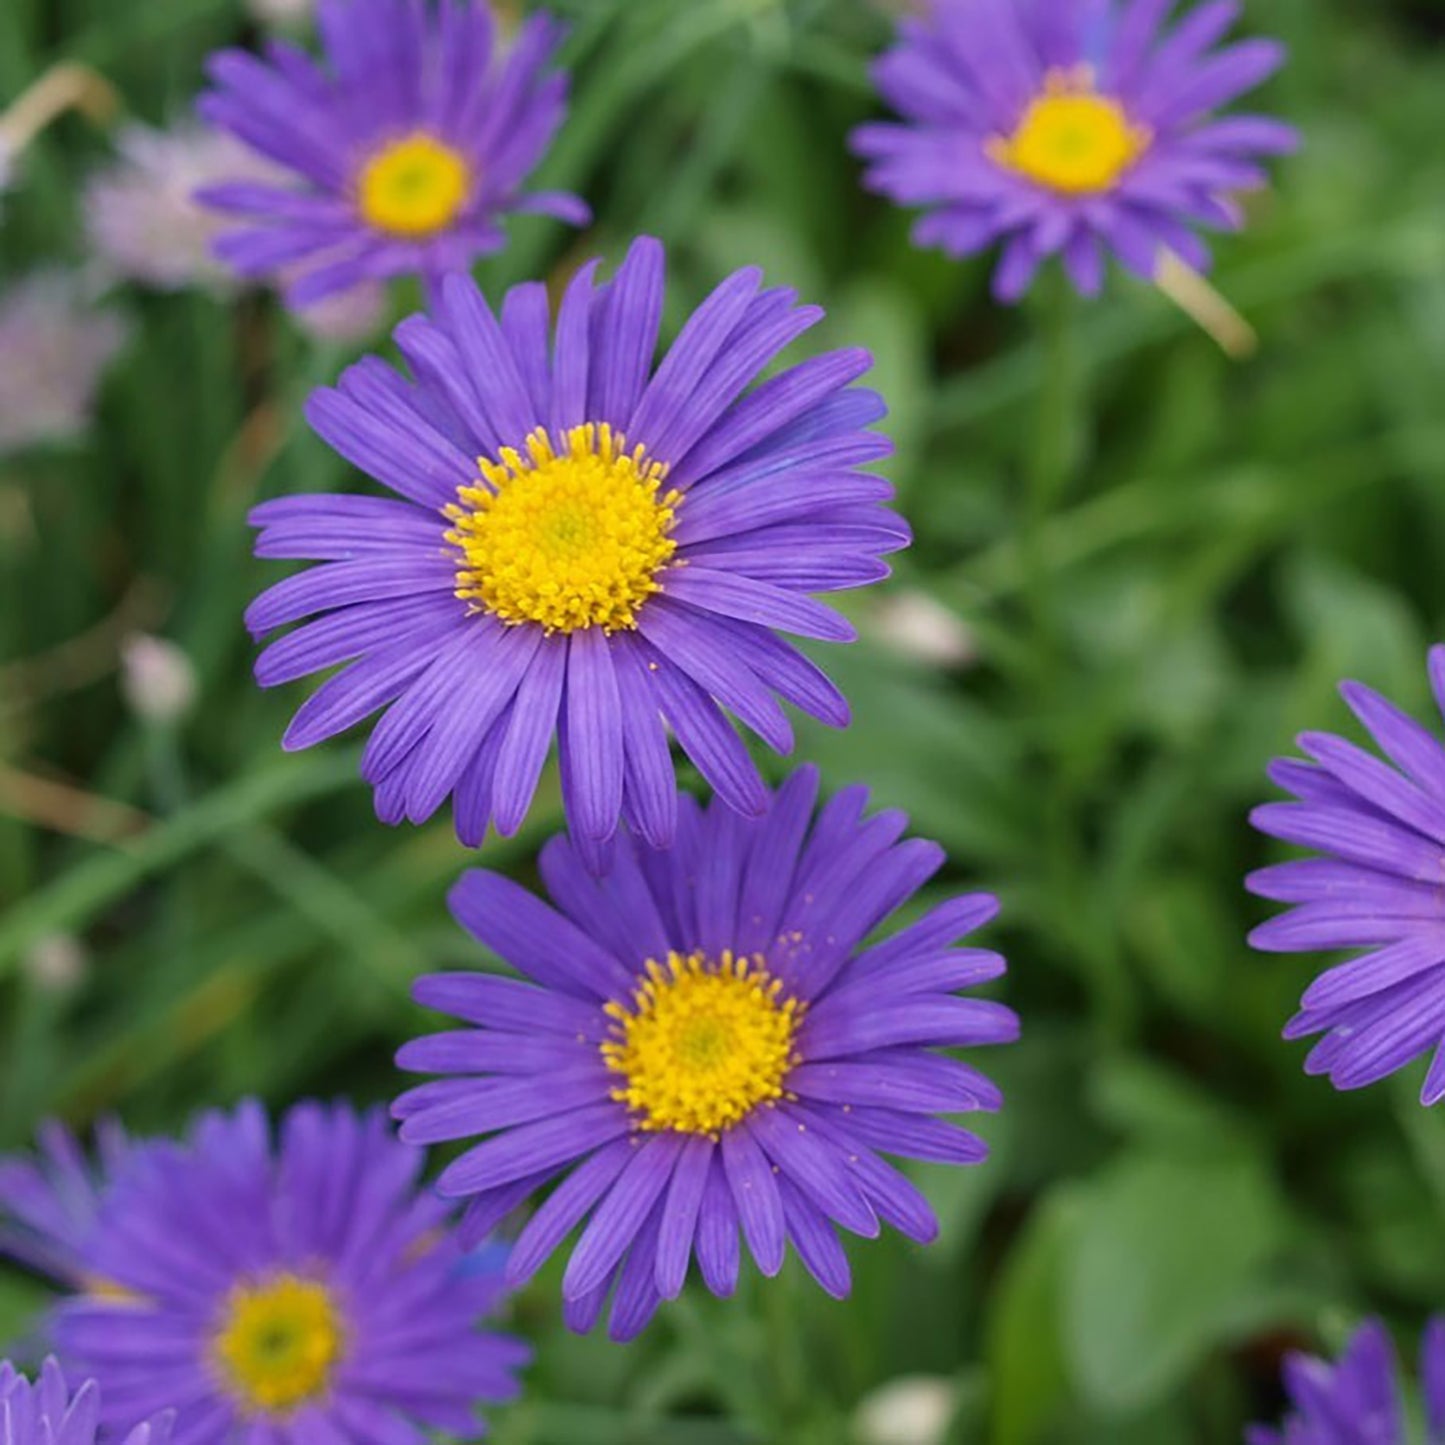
{"points": [[567, 540], [704, 1044], [279, 1342], [413, 187], [1072, 139]]}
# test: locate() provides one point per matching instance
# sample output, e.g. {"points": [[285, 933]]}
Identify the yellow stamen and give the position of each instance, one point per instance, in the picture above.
{"points": [[278, 1343], [413, 187], [704, 1043], [566, 540], [1072, 139]]}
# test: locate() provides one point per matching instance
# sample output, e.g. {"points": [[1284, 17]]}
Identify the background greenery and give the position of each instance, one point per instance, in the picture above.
{"points": [[1171, 1203]]}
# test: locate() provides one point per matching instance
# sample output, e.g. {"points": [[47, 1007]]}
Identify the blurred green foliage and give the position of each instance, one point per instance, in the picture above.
{"points": [[1171, 1202]]}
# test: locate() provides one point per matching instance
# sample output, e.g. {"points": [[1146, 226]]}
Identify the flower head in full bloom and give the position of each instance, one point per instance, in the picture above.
{"points": [[304, 1292], [404, 149], [581, 546], [1358, 1400], [46, 1412], [1381, 829], [55, 346], [1071, 127], [49, 1202], [704, 1048]]}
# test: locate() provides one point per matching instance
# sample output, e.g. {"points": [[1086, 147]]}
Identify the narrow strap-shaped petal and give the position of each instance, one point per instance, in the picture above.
{"points": [[533, 1147], [680, 1215], [755, 1194], [535, 939], [650, 785], [592, 754], [707, 737], [528, 739], [617, 1219], [689, 358], [627, 335], [488, 360], [817, 1244], [564, 1208], [684, 637], [571, 354], [815, 1166], [748, 600]]}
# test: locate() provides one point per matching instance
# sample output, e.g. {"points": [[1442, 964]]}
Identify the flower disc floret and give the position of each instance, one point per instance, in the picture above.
{"points": [[279, 1342], [704, 1043], [414, 187], [1071, 139], [567, 539]]}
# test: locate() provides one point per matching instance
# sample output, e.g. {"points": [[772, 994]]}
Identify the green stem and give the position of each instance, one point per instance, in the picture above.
{"points": [[790, 1395], [1054, 447]]}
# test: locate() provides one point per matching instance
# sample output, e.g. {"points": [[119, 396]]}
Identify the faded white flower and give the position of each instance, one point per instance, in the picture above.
{"points": [[284, 13], [915, 624], [55, 343], [140, 211], [157, 678], [56, 963], [8, 160], [911, 1410]]}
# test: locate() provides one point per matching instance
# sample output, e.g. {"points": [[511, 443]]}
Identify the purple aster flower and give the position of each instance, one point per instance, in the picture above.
{"points": [[1070, 126], [406, 148], [1358, 1400], [704, 1047], [306, 1293], [47, 1413], [49, 1203], [582, 545], [1382, 830]]}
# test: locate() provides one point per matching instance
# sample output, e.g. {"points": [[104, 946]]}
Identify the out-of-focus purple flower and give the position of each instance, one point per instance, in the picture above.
{"points": [[626, 551], [405, 148], [46, 1412], [705, 1047], [49, 1202], [1070, 127], [1381, 829], [141, 213], [55, 344], [304, 1291], [1358, 1400], [346, 317]]}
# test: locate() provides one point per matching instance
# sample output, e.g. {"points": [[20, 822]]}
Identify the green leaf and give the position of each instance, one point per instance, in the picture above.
{"points": [[1023, 1345], [21, 1303], [1166, 1250]]}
